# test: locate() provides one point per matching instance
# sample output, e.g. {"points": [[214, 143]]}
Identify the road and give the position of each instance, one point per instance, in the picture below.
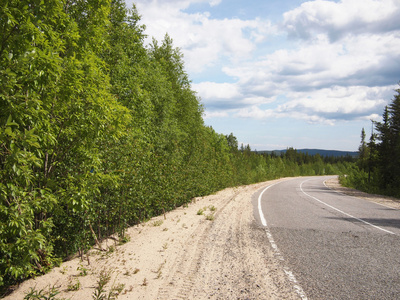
{"points": [[335, 246]]}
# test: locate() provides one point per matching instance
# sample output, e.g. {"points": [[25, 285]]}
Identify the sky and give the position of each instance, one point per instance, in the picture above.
{"points": [[285, 73]]}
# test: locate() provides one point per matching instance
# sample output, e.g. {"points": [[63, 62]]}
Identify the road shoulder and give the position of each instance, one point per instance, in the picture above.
{"points": [[390, 202]]}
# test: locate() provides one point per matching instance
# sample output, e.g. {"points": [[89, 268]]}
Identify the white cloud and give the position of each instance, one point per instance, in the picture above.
{"points": [[342, 18], [337, 102], [343, 67], [203, 40], [212, 90]]}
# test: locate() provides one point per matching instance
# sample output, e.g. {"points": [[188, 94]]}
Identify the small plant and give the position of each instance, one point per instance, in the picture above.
{"points": [[73, 286], [64, 270], [123, 240], [127, 291], [165, 246], [104, 278], [200, 212], [210, 217], [157, 223], [165, 229], [83, 270], [117, 289], [212, 208], [145, 282], [159, 271], [51, 294], [111, 249], [136, 271]]}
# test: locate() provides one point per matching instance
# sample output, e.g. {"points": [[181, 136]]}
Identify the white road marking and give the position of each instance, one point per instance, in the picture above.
{"points": [[340, 193], [263, 221], [299, 290], [342, 212]]}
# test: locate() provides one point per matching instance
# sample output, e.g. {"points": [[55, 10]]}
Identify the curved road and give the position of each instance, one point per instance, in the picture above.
{"points": [[336, 246]]}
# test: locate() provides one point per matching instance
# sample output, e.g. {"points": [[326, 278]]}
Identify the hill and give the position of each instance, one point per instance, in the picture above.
{"points": [[322, 152]]}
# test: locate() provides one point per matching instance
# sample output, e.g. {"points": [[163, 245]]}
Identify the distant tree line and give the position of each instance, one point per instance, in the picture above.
{"points": [[99, 132], [378, 167]]}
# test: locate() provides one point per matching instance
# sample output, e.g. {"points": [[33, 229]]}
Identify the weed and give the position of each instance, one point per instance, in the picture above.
{"points": [[111, 249], [200, 212], [104, 278], [165, 246], [127, 291], [51, 294], [73, 286], [159, 271], [157, 223], [117, 289], [64, 270], [145, 282], [212, 208], [123, 240], [83, 270], [210, 217]]}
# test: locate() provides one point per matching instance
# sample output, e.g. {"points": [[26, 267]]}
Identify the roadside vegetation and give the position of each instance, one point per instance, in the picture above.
{"points": [[378, 167], [99, 132]]}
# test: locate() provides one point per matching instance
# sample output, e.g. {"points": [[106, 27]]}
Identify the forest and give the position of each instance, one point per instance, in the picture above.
{"points": [[99, 131], [378, 167]]}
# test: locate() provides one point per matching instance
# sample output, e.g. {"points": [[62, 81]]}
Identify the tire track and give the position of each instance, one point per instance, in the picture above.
{"points": [[181, 279]]}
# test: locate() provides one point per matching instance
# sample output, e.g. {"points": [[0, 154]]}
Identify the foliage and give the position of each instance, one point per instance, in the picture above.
{"points": [[379, 162], [99, 132]]}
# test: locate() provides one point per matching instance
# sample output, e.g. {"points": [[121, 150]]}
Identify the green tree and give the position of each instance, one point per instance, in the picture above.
{"points": [[363, 152]]}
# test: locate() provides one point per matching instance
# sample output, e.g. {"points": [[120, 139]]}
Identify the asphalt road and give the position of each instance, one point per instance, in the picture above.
{"points": [[337, 246]]}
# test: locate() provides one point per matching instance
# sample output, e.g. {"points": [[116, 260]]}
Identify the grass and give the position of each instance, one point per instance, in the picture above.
{"points": [[157, 223], [83, 270], [73, 286], [100, 292], [212, 208], [210, 217], [34, 294]]}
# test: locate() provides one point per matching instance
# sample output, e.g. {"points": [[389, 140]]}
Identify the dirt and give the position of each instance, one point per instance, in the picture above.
{"points": [[382, 200], [219, 254], [187, 255]]}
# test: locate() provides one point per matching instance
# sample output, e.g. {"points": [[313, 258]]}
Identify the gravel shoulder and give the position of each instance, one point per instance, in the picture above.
{"points": [[383, 200], [219, 254]]}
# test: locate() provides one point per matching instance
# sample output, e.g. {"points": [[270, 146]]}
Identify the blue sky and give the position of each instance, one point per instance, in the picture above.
{"points": [[277, 73]]}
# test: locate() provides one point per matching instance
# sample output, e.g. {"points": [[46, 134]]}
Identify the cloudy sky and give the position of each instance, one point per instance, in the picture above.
{"points": [[285, 73]]}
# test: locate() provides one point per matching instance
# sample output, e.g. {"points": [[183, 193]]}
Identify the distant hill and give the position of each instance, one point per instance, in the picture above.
{"points": [[335, 153]]}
